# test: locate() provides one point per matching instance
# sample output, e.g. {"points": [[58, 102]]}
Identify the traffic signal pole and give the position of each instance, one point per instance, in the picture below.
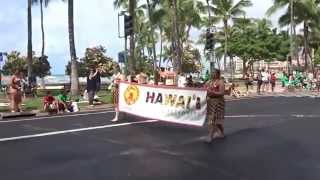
{"points": [[209, 25], [123, 13], [211, 54]]}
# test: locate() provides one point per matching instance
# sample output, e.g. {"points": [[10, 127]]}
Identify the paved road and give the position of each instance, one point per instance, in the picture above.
{"points": [[268, 139]]}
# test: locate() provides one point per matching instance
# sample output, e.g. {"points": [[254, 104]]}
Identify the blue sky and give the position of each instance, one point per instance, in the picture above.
{"points": [[95, 24]]}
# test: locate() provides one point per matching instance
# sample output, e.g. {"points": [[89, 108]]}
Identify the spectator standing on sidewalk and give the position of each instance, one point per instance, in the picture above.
{"points": [[273, 80], [265, 80], [248, 81], [92, 85], [259, 82], [15, 91], [284, 79]]}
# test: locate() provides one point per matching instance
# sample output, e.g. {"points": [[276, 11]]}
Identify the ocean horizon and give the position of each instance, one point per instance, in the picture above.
{"points": [[57, 79]]}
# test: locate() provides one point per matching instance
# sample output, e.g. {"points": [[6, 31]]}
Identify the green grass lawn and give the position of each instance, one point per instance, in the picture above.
{"points": [[105, 97]]}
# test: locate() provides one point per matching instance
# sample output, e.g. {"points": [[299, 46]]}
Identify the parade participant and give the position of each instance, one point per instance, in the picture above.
{"points": [[182, 81], [142, 78], [215, 105], [115, 91], [15, 91], [234, 92], [190, 81]]}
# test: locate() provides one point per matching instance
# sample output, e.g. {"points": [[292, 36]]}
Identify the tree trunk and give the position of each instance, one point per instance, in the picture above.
{"points": [[225, 22], [232, 68], [42, 29], [29, 62], [244, 68], [296, 53], [306, 48], [188, 32], [73, 55], [153, 45], [161, 47], [176, 33], [132, 62]]}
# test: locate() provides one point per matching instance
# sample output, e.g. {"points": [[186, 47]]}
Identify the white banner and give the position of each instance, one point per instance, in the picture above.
{"points": [[183, 106]]}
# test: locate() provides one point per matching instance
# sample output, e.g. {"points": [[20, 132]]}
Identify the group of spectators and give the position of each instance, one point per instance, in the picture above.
{"points": [[59, 104], [301, 80], [63, 103], [266, 81]]}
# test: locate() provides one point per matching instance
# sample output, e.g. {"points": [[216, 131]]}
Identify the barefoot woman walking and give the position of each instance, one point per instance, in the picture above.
{"points": [[215, 105], [15, 91]]}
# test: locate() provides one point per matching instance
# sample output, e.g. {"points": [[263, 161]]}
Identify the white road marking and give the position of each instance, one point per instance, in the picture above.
{"points": [[72, 131], [305, 116], [253, 116], [273, 115], [53, 117]]}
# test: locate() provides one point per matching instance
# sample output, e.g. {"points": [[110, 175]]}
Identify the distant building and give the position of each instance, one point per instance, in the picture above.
{"points": [[275, 66]]}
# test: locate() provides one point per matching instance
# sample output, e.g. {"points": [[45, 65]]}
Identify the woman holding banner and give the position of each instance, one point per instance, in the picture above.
{"points": [[215, 105], [119, 77]]}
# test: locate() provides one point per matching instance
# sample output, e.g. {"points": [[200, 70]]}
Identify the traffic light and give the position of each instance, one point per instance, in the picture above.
{"points": [[128, 25], [209, 40], [122, 57]]}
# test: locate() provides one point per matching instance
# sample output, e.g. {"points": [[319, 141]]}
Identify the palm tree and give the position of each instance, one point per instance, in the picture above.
{"points": [[226, 10], [44, 3], [74, 63], [29, 57], [306, 12]]}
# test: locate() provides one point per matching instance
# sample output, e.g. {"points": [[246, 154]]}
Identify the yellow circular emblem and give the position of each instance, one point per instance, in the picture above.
{"points": [[131, 95]]}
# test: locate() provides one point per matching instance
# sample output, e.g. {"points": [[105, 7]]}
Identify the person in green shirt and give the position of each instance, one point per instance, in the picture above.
{"points": [[64, 101], [63, 97]]}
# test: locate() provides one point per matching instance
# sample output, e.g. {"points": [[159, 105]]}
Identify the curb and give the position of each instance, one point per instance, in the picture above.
{"points": [[86, 110]]}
